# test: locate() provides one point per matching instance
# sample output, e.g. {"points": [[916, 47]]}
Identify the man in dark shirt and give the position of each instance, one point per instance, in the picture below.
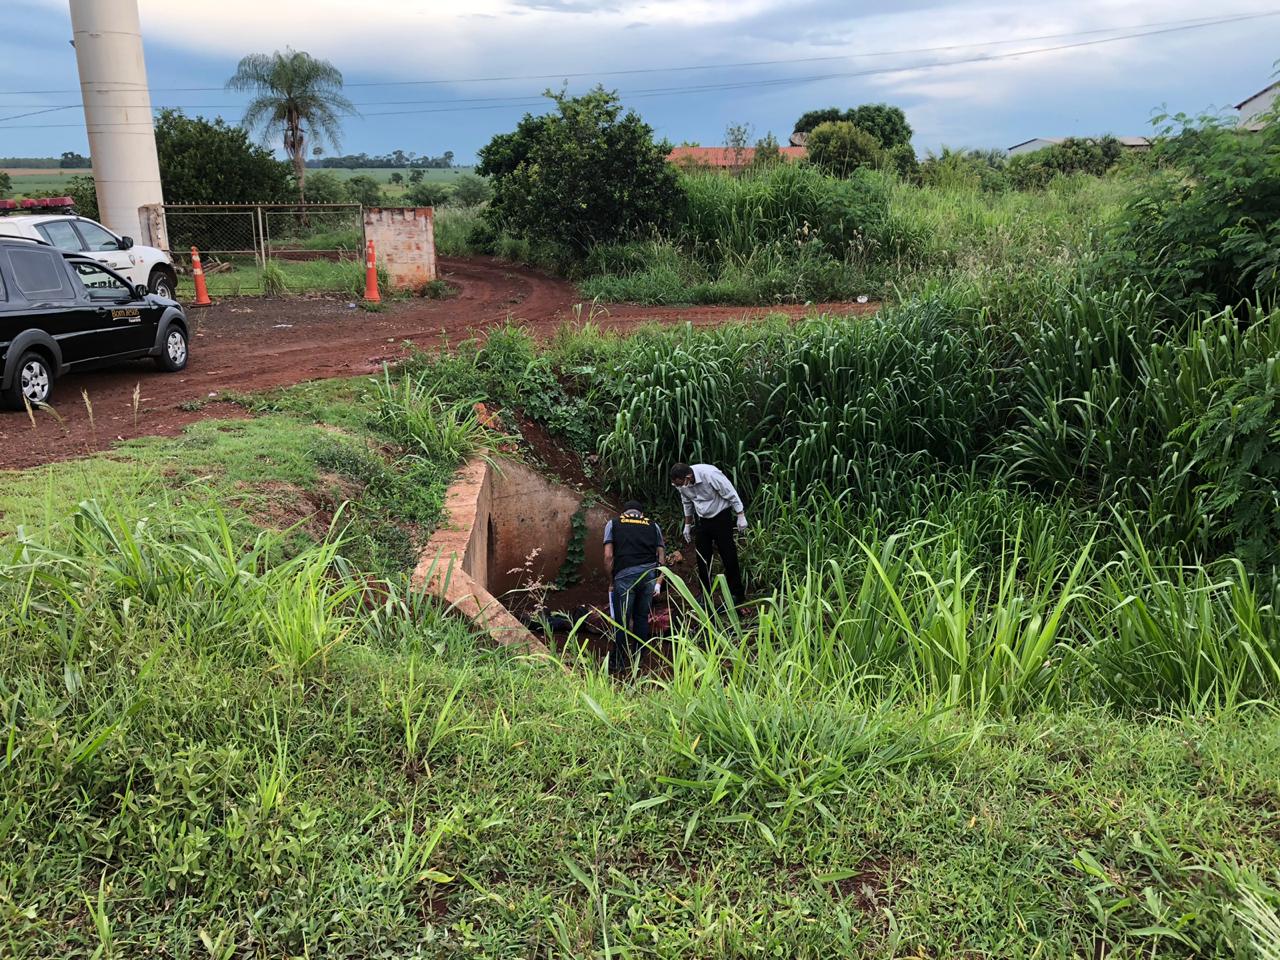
{"points": [[633, 552]]}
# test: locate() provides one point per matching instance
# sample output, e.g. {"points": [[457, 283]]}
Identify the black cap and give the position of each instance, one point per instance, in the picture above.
{"points": [[635, 505]]}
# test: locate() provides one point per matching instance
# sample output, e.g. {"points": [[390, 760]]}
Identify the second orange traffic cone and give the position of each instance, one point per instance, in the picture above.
{"points": [[371, 276], [197, 273]]}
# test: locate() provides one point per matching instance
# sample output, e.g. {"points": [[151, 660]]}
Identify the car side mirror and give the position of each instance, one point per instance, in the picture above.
{"points": [[126, 243], [140, 291]]}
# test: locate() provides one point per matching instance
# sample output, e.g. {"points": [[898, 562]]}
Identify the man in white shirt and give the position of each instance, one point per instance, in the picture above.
{"points": [[709, 498]]}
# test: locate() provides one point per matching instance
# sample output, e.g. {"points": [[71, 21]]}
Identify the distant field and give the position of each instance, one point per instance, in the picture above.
{"points": [[28, 180], [383, 174], [32, 181]]}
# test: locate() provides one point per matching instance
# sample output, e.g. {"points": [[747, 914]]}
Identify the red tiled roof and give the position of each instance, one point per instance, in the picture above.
{"points": [[725, 156]]}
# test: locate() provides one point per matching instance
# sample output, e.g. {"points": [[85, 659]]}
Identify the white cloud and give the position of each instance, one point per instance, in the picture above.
{"points": [[441, 39]]}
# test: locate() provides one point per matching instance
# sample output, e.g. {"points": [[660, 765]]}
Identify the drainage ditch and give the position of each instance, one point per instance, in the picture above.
{"points": [[518, 550]]}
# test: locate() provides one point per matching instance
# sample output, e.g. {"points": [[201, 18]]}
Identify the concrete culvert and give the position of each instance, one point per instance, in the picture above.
{"points": [[507, 539]]}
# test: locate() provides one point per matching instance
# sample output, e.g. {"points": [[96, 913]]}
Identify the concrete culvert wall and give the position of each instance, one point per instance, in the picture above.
{"points": [[498, 513]]}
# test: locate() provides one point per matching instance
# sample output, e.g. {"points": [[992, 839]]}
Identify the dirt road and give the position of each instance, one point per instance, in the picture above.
{"points": [[247, 344]]}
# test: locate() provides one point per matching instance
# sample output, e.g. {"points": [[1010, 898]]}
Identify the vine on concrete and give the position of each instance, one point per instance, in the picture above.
{"points": [[569, 574]]}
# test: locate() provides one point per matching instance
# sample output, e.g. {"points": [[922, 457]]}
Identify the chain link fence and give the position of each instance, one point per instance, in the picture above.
{"points": [[244, 246]]}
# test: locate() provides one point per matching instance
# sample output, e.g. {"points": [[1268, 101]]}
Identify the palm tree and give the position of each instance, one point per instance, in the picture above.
{"points": [[292, 91]]}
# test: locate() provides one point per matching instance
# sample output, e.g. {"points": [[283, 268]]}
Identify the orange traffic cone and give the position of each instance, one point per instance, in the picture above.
{"points": [[197, 273], [371, 276]]}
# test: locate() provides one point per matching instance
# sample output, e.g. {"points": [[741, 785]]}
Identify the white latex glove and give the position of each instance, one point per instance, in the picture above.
{"points": [[688, 533], [657, 589], [742, 522]]}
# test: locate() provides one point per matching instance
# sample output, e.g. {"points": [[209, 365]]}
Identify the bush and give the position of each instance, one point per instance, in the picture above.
{"points": [[470, 190], [425, 193], [1206, 229], [587, 173], [840, 148], [901, 159], [6, 184], [968, 169], [325, 187], [364, 190], [1029, 171]]}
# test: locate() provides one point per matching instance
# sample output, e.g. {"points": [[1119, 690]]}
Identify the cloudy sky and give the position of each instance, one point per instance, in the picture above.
{"points": [[428, 77]]}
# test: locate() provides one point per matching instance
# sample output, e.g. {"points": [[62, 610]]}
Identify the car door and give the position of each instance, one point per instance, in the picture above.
{"points": [[104, 246], [127, 321], [52, 305]]}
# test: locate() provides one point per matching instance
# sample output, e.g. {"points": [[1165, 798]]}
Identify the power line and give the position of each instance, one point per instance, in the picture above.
{"points": [[19, 116], [774, 82], [1185, 24]]}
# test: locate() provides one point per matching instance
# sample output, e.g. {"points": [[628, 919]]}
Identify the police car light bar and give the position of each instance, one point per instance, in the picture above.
{"points": [[41, 203]]}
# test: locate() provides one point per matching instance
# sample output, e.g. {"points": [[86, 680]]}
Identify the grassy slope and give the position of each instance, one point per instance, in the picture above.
{"points": [[411, 796]]}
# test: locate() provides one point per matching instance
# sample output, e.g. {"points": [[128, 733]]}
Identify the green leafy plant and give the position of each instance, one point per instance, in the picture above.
{"points": [[839, 148], [586, 173], [272, 279]]}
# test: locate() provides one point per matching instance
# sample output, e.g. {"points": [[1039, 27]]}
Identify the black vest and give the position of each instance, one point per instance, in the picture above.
{"points": [[635, 542]]}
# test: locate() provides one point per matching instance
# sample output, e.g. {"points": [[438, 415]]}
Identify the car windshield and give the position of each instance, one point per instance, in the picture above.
{"points": [[100, 283]]}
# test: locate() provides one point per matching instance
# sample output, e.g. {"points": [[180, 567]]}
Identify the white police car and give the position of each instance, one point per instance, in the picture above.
{"points": [[53, 221]]}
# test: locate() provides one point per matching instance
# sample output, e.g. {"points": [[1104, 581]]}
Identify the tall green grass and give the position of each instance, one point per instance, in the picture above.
{"points": [[791, 234], [990, 604], [954, 689]]}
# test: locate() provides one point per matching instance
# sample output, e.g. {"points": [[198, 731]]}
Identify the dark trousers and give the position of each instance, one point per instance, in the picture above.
{"points": [[632, 598], [716, 533]]}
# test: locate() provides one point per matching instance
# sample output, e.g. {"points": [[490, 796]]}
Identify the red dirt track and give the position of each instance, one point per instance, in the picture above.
{"points": [[248, 344]]}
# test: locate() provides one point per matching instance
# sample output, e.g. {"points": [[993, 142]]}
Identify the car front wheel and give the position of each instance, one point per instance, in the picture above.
{"points": [[173, 352], [32, 382], [163, 284]]}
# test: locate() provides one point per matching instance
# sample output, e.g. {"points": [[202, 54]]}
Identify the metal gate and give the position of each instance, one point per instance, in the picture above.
{"points": [[265, 231]]}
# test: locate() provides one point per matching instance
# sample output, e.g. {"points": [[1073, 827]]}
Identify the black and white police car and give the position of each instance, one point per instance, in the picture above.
{"points": [[63, 312]]}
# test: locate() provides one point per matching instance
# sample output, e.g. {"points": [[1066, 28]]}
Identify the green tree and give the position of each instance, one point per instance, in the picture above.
{"points": [[427, 194], [208, 161], [84, 195], [840, 148], [587, 173], [815, 118], [901, 159], [296, 94], [326, 187], [71, 160], [471, 190], [768, 153], [737, 138], [886, 123], [397, 178], [364, 190], [415, 176], [6, 184]]}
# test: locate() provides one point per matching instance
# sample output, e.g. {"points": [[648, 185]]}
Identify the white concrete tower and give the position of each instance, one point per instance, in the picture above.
{"points": [[117, 110]]}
